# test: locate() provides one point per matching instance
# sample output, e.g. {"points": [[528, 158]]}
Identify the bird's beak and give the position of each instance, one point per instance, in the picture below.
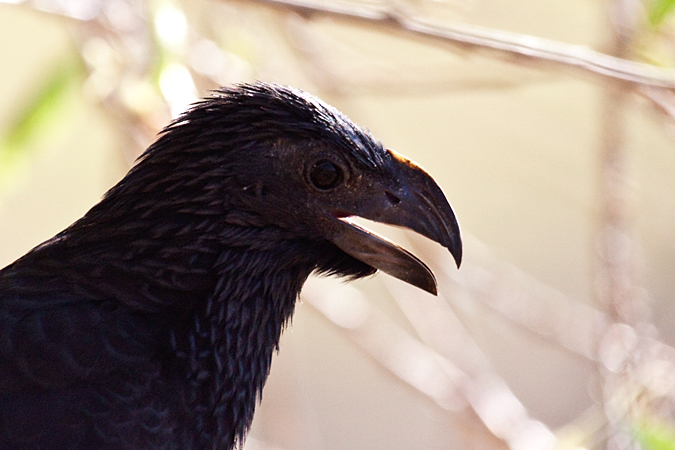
{"points": [[417, 203]]}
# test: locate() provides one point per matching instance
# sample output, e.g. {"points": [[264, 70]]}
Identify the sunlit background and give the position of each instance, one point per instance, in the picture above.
{"points": [[549, 125]]}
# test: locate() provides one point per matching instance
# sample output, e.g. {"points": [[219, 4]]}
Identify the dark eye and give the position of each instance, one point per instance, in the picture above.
{"points": [[325, 174]]}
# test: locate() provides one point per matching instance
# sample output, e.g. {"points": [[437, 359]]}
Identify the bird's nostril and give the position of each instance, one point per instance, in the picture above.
{"points": [[392, 198]]}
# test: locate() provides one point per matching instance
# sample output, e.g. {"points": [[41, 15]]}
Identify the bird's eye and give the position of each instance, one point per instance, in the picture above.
{"points": [[325, 174]]}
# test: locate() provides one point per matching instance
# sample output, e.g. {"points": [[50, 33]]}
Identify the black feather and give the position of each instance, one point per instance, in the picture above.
{"points": [[151, 322]]}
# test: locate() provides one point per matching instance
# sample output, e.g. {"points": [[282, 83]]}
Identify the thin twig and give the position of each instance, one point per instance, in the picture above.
{"points": [[503, 42]]}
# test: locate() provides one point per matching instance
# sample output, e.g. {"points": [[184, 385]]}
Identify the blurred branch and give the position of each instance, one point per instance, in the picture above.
{"points": [[506, 44], [487, 393], [524, 300], [616, 285], [449, 367], [542, 310], [497, 409]]}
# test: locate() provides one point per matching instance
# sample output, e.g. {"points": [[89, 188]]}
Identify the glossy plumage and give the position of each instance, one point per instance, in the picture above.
{"points": [[151, 322]]}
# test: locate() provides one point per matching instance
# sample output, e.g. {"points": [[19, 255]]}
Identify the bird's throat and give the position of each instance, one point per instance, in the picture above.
{"points": [[242, 324]]}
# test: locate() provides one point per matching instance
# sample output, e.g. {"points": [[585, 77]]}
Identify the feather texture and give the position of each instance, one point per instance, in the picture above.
{"points": [[151, 322]]}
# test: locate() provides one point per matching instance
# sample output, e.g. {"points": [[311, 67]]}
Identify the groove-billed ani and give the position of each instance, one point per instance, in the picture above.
{"points": [[151, 322]]}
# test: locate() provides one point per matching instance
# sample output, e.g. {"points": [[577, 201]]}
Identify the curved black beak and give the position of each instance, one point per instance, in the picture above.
{"points": [[412, 200]]}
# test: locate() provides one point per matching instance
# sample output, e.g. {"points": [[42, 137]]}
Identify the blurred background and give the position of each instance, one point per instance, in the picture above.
{"points": [[549, 125]]}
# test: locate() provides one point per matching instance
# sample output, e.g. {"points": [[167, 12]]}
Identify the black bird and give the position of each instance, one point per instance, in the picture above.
{"points": [[150, 323]]}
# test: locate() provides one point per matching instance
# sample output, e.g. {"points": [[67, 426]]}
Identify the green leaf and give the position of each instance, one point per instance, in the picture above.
{"points": [[659, 10], [42, 114], [655, 434]]}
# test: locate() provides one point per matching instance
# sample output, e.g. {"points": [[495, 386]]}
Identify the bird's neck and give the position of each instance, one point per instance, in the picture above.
{"points": [[224, 352]]}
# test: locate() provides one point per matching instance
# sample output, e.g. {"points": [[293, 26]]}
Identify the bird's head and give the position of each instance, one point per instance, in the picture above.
{"points": [[294, 162]]}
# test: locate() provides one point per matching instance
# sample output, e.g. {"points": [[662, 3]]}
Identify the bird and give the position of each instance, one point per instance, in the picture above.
{"points": [[151, 322]]}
